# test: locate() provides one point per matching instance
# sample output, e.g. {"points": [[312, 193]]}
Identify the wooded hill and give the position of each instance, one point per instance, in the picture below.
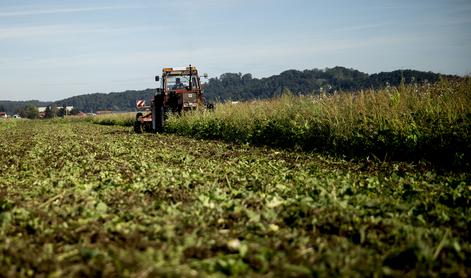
{"points": [[238, 86], [235, 86]]}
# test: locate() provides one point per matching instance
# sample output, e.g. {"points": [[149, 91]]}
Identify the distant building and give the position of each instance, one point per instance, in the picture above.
{"points": [[42, 112], [42, 109], [3, 115]]}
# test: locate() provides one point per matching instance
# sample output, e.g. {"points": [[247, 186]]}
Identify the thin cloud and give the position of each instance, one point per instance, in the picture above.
{"points": [[31, 11], [364, 27], [309, 48], [32, 31], [42, 31]]}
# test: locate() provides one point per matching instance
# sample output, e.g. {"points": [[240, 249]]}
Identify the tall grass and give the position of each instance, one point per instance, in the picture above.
{"points": [[121, 119], [409, 122]]}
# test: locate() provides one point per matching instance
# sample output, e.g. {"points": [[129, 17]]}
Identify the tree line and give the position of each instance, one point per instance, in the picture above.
{"points": [[32, 112], [238, 86], [15, 107]]}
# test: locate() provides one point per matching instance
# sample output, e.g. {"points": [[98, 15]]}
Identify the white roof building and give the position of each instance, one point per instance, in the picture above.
{"points": [[43, 109]]}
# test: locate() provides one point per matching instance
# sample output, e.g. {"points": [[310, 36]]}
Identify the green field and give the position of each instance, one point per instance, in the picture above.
{"points": [[78, 199], [408, 123], [429, 123]]}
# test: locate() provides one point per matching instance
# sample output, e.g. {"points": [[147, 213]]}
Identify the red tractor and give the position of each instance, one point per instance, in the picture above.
{"points": [[180, 90]]}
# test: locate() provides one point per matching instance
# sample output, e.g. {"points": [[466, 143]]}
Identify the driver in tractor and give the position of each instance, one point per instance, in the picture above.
{"points": [[178, 84]]}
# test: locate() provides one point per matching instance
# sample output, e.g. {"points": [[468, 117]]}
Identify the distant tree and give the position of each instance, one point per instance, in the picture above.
{"points": [[246, 77], [74, 111], [2, 108], [51, 112], [61, 112], [47, 112], [19, 110], [29, 111], [54, 110], [238, 86]]}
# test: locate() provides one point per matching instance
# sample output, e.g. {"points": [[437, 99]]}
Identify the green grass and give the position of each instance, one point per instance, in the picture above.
{"points": [[118, 119], [121, 119], [88, 200], [408, 123]]}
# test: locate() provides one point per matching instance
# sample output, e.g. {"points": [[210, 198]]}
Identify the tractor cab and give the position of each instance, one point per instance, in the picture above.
{"points": [[180, 90]]}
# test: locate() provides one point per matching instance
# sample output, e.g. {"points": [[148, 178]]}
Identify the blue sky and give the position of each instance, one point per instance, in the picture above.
{"points": [[51, 49]]}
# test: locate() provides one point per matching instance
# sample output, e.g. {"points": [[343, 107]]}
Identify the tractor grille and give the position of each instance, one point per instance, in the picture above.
{"points": [[190, 100]]}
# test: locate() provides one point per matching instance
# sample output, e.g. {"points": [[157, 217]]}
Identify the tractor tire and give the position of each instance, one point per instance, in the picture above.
{"points": [[160, 119], [147, 127], [137, 123], [137, 127], [158, 114]]}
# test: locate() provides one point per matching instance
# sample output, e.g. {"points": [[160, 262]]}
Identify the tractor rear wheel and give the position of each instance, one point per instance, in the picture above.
{"points": [[158, 113], [137, 127], [147, 127], [160, 119], [137, 123]]}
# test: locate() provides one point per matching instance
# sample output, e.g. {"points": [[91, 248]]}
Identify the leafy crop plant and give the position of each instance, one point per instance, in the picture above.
{"points": [[78, 199]]}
